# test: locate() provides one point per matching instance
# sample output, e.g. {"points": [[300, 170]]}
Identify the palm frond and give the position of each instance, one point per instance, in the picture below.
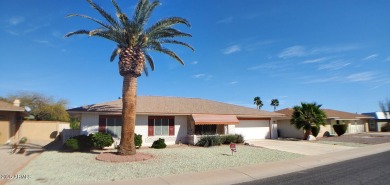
{"points": [[90, 18], [168, 33], [166, 23], [147, 13], [177, 42], [150, 60], [139, 10], [115, 53], [145, 69], [102, 12], [77, 32], [171, 54]]}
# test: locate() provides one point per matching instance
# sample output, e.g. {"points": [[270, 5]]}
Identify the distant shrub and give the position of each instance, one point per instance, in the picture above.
{"points": [[385, 127], [159, 144], [72, 144], [138, 140], [315, 130], [227, 139], [101, 140], [80, 142], [340, 129], [23, 140], [207, 141]]}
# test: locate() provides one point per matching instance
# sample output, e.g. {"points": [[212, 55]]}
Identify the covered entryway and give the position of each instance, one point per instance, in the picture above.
{"points": [[4, 131]]}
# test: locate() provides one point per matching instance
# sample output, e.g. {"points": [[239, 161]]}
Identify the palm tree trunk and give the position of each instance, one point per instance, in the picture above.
{"points": [[129, 101]]}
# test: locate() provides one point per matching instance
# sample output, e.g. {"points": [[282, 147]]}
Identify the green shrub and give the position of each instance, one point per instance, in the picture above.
{"points": [[340, 129], [80, 142], [315, 130], [138, 140], [101, 140], [227, 139], [72, 144], [23, 140], [159, 144], [207, 141]]}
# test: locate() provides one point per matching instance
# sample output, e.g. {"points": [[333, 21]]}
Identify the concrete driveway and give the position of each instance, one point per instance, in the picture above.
{"points": [[299, 147]]}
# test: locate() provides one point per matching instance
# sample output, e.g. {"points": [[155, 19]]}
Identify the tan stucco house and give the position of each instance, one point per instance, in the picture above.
{"points": [[179, 120], [357, 123], [11, 116]]}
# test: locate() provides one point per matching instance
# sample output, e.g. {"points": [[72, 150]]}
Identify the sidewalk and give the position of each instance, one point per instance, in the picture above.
{"points": [[250, 173]]}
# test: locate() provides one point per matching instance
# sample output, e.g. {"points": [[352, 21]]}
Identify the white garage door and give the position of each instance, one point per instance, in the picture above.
{"points": [[253, 129]]}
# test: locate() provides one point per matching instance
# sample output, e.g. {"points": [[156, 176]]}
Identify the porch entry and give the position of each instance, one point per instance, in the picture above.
{"points": [[211, 124]]}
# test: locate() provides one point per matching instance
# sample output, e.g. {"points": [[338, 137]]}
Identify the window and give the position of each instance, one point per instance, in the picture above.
{"points": [[161, 126], [205, 129], [111, 125]]}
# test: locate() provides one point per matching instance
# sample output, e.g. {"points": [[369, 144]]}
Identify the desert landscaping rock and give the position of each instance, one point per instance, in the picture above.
{"points": [[114, 158], [81, 167]]}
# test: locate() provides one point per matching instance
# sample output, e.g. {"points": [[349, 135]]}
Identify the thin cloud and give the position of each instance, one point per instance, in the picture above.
{"points": [[335, 65], [194, 62], [232, 49], [233, 82], [371, 57], [294, 51], [41, 41], [317, 60], [322, 80], [202, 76], [225, 21], [360, 77], [387, 59], [15, 20]]}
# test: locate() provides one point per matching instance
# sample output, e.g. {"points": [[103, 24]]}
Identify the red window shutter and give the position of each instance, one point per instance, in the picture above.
{"points": [[150, 127], [171, 126], [102, 124]]}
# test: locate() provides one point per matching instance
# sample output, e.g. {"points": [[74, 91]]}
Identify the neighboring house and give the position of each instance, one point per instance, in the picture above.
{"points": [[178, 120], [11, 116], [357, 123], [379, 120]]}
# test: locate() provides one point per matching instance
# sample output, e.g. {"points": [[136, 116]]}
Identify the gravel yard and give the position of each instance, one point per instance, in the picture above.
{"points": [[54, 167]]}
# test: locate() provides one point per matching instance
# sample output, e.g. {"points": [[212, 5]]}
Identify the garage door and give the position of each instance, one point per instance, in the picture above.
{"points": [[286, 130], [253, 129]]}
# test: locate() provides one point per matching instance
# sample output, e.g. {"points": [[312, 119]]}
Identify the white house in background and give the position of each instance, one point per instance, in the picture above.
{"points": [[379, 120], [179, 120], [356, 123]]}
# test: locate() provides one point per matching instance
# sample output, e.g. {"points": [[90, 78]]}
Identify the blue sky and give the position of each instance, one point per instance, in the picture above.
{"points": [[333, 52]]}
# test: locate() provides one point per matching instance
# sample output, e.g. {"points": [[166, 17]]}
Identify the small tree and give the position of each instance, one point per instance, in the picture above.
{"points": [[42, 107], [257, 101], [306, 116], [275, 103], [385, 107]]}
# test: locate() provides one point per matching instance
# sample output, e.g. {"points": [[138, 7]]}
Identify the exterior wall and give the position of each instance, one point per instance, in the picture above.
{"points": [[4, 127], [89, 123], [287, 130], [253, 129], [40, 132]]}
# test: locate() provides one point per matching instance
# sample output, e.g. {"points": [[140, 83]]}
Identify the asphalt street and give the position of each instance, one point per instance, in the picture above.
{"points": [[373, 169]]}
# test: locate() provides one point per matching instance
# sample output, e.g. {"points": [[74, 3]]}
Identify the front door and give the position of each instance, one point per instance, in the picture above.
{"points": [[4, 128]]}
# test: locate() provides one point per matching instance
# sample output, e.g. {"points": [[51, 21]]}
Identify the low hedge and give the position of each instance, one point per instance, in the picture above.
{"points": [[159, 144], [209, 140], [138, 140], [340, 129], [101, 140]]}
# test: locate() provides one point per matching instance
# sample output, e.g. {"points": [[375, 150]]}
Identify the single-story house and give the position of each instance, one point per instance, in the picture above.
{"points": [[357, 123], [379, 120], [11, 116], [178, 120]]}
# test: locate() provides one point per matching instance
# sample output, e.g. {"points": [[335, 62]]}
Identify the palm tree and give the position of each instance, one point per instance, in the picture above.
{"points": [[307, 115], [385, 108], [275, 103], [134, 42], [257, 101]]}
